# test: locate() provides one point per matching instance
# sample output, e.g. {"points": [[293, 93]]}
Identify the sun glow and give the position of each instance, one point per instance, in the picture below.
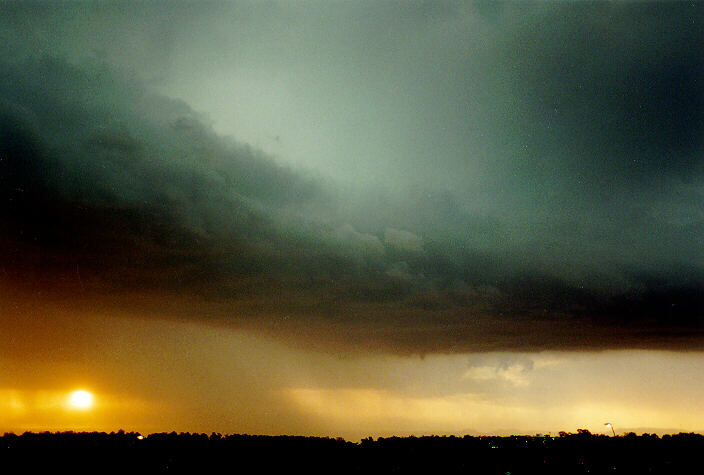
{"points": [[81, 399]]}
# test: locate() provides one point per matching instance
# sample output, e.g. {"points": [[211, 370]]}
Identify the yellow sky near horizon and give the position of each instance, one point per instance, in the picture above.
{"points": [[151, 375]]}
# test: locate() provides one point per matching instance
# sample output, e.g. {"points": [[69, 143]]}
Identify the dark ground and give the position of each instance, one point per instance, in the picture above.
{"points": [[202, 454]]}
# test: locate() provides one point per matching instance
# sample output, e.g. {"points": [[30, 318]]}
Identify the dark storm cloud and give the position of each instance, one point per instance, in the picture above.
{"points": [[541, 186], [96, 168], [613, 91]]}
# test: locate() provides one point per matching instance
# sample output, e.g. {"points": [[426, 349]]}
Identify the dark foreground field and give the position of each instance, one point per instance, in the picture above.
{"points": [[129, 453]]}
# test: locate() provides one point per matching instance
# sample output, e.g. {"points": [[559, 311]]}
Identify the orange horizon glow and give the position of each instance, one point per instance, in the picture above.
{"points": [[197, 378]]}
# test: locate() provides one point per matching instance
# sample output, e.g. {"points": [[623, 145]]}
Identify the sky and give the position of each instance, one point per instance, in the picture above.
{"points": [[352, 218]]}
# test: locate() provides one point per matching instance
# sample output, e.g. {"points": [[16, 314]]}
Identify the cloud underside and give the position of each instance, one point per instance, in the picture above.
{"points": [[584, 232]]}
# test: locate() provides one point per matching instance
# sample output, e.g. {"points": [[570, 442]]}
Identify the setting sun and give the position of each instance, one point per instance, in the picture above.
{"points": [[81, 400]]}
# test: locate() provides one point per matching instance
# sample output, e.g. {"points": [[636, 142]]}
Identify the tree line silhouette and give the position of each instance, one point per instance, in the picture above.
{"points": [[130, 452]]}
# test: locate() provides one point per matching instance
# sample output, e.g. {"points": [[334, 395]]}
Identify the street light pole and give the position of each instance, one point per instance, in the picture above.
{"points": [[608, 424]]}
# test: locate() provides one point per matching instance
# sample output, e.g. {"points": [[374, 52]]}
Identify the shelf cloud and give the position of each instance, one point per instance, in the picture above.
{"points": [[466, 177]]}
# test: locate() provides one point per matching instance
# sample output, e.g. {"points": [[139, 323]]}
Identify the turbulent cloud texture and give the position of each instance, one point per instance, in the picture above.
{"points": [[480, 176]]}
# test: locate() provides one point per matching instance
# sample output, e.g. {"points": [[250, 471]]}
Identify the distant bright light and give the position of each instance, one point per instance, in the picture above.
{"points": [[81, 399]]}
